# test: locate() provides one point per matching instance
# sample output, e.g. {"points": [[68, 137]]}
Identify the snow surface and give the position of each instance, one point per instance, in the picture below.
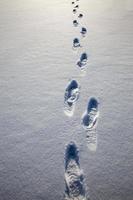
{"points": [[36, 63]]}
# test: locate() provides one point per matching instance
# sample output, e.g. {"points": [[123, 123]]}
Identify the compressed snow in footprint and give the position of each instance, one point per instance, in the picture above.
{"points": [[70, 98], [90, 117], [76, 43], [83, 61], [83, 31], [74, 179], [75, 23], [91, 139]]}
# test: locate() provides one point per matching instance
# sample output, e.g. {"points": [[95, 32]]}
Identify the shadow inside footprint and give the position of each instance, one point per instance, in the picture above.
{"points": [[83, 61], [75, 23], [76, 43], [71, 96], [92, 104], [77, 6], [74, 11], [80, 15], [83, 31], [74, 179], [71, 153], [90, 116]]}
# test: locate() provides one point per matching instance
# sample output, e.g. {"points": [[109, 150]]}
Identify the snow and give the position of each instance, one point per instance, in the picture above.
{"points": [[36, 63]]}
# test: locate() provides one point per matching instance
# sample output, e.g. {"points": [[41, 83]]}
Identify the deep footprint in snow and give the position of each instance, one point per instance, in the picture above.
{"points": [[75, 23], [89, 122], [77, 6], [83, 31], [82, 61], [73, 2], [71, 96], [90, 117], [76, 43], [80, 15], [74, 179], [74, 11]]}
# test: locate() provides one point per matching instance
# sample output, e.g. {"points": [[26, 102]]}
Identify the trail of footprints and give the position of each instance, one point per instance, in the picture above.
{"points": [[74, 178]]}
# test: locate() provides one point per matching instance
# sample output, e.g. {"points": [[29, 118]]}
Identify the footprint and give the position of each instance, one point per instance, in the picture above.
{"points": [[70, 98], [73, 2], [91, 140], [77, 6], [74, 178], [76, 43], [75, 23], [83, 31], [74, 11], [83, 61], [89, 119], [84, 58], [89, 122], [80, 15]]}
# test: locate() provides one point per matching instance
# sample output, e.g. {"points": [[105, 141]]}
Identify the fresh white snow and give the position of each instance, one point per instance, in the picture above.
{"points": [[36, 63]]}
